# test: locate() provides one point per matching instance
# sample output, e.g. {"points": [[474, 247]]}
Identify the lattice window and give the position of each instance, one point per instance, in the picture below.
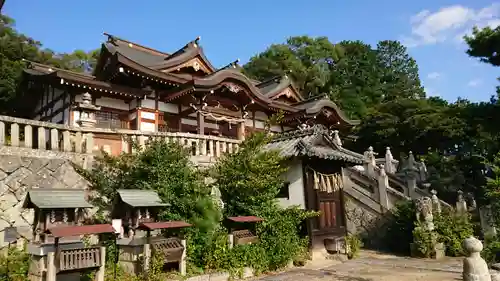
{"points": [[107, 119]]}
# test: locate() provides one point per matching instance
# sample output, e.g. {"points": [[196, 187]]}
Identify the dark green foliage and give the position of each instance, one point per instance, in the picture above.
{"points": [[485, 44], [351, 73], [491, 251], [18, 265], [14, 47], [400, 228], [249, 181], [453, 229], [164, 167]]}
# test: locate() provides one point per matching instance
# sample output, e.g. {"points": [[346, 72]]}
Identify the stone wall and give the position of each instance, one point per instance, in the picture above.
{"points": [[18, 173]]}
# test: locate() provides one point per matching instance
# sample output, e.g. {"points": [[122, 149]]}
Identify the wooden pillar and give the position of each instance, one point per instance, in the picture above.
{"points": [[201, 124], [241, 130]]}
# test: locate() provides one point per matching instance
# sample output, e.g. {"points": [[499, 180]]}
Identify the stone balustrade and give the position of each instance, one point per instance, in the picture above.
{"points": [[45, 136]]}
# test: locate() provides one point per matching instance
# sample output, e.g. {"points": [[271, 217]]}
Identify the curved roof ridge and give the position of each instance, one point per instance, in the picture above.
{"points": [[186, 53], [112, 37], [85, 75]]}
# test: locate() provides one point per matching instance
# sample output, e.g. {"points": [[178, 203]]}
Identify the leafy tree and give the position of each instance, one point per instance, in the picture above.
{"points": [[352, 73], [306, 60], [485, 44], [249, 181], [163, 167], [409, 124], [400, 75], [14, 47]]}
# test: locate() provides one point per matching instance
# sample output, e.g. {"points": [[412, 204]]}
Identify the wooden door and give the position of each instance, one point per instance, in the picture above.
{"points": [[331, 218]]}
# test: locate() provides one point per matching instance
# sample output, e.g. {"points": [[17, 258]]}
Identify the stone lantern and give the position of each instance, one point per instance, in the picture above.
{"points": [[87, 111]]}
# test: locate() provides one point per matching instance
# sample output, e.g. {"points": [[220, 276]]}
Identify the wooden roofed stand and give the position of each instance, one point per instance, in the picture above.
{"points": [[242, 230], [141, 233], [57, 249]]}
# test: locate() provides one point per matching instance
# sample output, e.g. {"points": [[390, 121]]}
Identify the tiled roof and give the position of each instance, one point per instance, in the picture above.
{"points": [[68, 231], [140, 198], [312, 142], [45, 198], [163, 225]]}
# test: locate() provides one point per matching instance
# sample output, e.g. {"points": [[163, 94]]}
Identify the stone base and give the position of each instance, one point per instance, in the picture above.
{"points": [[437, 253]]}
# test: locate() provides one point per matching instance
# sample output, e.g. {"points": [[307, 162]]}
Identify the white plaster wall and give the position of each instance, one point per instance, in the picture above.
{"points": [[58, 118], [195, 123], [58, 93], [112, 103], [296, 194], [168, 107], [148, 103], [76, 117], [58, 105], [148, 115], [147, 127], [260, 115], [66, 116], [132, 104], [248, 123], [260, 124]]}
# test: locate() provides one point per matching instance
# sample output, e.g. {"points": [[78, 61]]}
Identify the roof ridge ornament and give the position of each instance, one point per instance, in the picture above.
{"points": [[336, 138]]}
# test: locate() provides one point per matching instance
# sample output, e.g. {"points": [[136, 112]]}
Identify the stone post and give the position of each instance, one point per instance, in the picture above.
{"points": [[147, 257], [436, 204], [461, 204], [87, 111], [336, 138], [389, 165], [370, 162], [230, 238], [182, 263], [51, 267], [474, 267], [383, 184], [102, 269]]}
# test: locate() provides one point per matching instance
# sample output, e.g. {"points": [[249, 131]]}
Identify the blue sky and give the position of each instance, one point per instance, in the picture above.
{"points": [[240, 29]]}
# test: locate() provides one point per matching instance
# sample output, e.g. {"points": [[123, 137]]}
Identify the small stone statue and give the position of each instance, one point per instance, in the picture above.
{"points": [[436, 205], [461, 204], [424, 213], [474, 267]]}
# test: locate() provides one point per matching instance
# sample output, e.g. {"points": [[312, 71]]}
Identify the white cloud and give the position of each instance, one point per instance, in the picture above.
{"points": [[434, 75], [474, 82], [430, 92], [451, 22]]}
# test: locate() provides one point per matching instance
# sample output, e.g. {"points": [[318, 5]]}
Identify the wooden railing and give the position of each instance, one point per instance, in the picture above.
{"points": [[79, 259], [24, 133]]}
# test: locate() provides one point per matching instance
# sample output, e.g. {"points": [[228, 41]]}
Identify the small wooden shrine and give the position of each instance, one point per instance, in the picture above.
{"points": [[135, 212], [57, 249], [242, 230]]}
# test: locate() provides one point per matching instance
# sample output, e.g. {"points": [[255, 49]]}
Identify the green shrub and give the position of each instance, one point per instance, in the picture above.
{"points": [[249, 181], [491, 251], [453, 229], [354, 245], [14, 266], [400, 227], [423, 242]]}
